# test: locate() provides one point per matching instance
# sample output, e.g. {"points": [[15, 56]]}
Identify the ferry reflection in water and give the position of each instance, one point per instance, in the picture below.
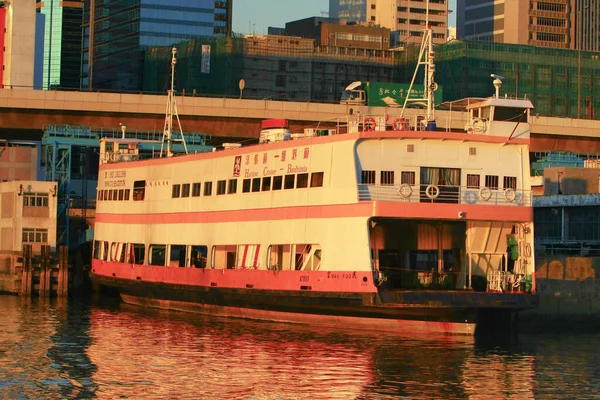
{"points": [[178, 355]]}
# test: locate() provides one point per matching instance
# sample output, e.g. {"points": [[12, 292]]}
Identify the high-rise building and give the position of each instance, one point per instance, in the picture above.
{"points": [[408, 17], [570, 24], [17, 43], [587, 24], [62, 43], [115, 40]]}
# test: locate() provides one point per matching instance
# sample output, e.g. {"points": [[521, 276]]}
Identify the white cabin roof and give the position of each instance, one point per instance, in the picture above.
{"points": [[502, 102]]}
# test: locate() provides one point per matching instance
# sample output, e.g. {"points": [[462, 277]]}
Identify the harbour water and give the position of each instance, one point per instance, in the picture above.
{"points": [[54, 349]]}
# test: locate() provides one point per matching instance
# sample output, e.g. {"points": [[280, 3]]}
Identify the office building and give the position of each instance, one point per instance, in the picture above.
{"points": [[406, 16], [17, 43], [114, 43], [587, 24], [62, 43]]}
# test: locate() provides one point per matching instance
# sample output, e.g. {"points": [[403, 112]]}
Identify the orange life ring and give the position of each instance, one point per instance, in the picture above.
{"points": [[399, 124], [369, 124]]}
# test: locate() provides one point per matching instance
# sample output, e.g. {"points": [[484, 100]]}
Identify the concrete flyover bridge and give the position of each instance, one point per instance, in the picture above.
{"points": [[25, 112]]}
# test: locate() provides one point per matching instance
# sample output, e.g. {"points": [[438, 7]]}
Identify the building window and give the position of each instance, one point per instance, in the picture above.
{"points": [[35, 200], [386, 178], [221, 187], [176, 191], [491, 181], [368, 178], [280, 80], [407, 177], [510, 182], [35, 235]]}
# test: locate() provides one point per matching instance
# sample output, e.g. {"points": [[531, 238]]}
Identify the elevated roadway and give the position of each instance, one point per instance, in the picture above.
{"points": [[27, 112]]}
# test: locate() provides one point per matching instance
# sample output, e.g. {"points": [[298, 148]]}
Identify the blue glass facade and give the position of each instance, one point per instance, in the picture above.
{"points": [[123, 29]]}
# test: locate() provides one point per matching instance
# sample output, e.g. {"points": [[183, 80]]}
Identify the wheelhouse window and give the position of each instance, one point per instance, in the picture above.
{"points": [[510, 114], [368, 178], [139, 190]]}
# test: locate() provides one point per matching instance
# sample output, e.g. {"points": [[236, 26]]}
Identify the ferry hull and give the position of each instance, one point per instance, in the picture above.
{"points": [[401, 311]]}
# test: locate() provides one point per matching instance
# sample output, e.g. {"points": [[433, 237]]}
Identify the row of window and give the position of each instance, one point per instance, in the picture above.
{"points": [[304, 256], [34, 235], [35, 199], [408, 177], [264, 184]]}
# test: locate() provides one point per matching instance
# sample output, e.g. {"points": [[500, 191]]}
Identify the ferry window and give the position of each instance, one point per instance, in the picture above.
{"points": [[105, 251], [407, 177], [196, 189], [127, 191], [224, 256], [198, 256], [256, 185], [115, 191], [246, 183], [232, 186], [289, 181], [509, 114], [386, 178], [106, 194], [97, 250], [491, 181], [207, 188], [368, 178], [157, 254], [121, 194], [316, 179], [176, 191], [510, 182], [472, 181], [221, 187], [279, 256], [99, 196], [308, 257], [139, 190], [302, 181], [177, 257], [266, 184], [185, 190], [110, 195], [139, 251], [277, 182]]}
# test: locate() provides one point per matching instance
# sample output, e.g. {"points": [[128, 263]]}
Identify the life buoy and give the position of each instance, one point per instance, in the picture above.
{"points": [[470, 197], [432, 191], [485, 193], [399, 124], [369, 124], [510, 195], [478, 125], [405, 190]]}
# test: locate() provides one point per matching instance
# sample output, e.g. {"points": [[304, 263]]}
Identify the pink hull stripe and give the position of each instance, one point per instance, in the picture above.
{"points": [[362, 209], [315, 281], [333, 321]]}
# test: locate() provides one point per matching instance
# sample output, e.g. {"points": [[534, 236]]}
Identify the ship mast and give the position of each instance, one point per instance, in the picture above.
{"points": [[426, 58], [171, 110]]}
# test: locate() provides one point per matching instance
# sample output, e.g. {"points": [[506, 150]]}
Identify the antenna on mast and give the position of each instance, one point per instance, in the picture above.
{"points": [[171, 110], [426, 57]]}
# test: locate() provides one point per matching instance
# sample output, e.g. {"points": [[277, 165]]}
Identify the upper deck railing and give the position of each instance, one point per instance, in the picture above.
{"points": [[444, 194]]}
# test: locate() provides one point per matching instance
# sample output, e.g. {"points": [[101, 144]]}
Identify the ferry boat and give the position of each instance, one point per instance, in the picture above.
{"points": [[391, 225]]}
